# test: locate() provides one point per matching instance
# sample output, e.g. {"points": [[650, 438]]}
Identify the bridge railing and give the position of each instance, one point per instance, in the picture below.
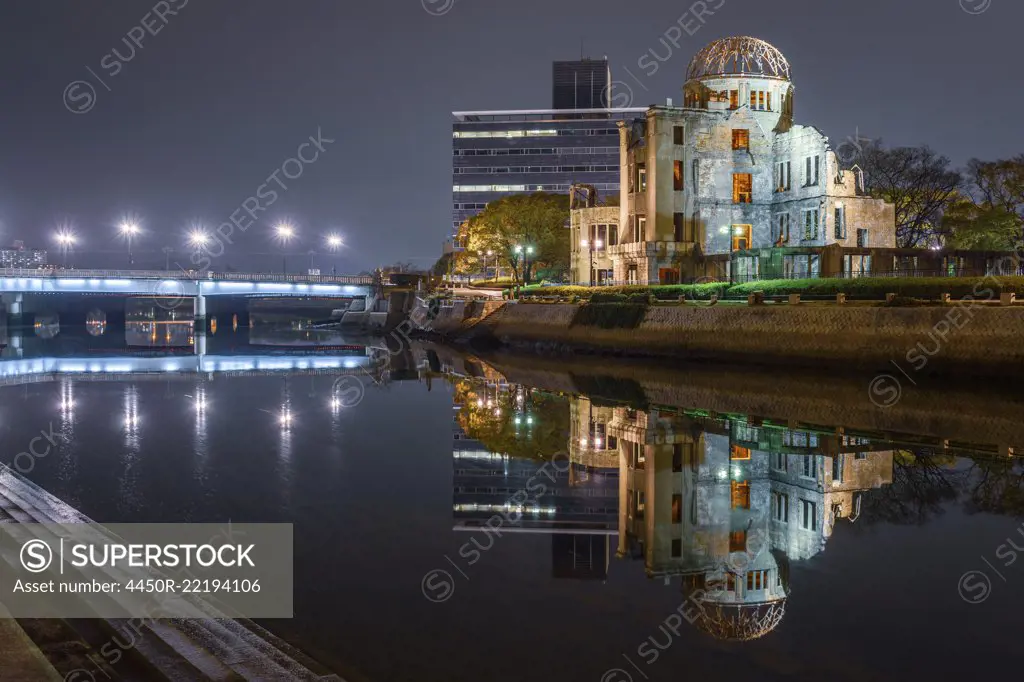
{"points": [[187, 275]]}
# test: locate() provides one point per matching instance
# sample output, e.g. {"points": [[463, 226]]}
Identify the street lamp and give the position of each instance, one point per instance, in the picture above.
{"points": [[528, 251], [197, 239], [129, 229], [486, 255], [592, 246], [334, 244], [65, 239], [285, 233]]}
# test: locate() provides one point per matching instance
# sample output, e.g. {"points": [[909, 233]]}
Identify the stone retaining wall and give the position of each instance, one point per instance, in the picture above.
{"points": [[986, 339]]}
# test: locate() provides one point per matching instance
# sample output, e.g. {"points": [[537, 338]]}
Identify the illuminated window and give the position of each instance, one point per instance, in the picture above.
{"points": [[736, 452], [768, 100], [740, 495], [740, 237], [677, 176], [677, 509], [638, 504], [757, 580], [753, 99], [760, 100], [738, 541], [734, 99], [741, 139], [742, 188]]}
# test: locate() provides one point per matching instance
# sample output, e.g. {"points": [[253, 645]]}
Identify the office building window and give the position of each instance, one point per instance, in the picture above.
{"points": [[742, 188], [741, 139]]}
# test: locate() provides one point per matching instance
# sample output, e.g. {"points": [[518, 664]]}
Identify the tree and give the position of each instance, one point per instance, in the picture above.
{"points": [[980, 226], [510, 226], [999, 186], [917, 181]]}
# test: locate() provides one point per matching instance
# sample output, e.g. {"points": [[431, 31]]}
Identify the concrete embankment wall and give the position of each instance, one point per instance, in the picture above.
{"points": [[983, 338]]}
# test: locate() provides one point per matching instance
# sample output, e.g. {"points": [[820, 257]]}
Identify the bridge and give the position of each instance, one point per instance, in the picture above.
{"points": [[16, 283]]}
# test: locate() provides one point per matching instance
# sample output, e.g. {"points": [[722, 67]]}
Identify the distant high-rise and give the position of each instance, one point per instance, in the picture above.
{"points": [[581, 84]]}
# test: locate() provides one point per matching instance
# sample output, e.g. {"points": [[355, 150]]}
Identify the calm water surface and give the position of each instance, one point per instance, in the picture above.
{"points": [[626, 542]]}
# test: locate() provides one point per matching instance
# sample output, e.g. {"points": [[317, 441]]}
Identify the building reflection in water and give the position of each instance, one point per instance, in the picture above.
{"points": [[159, 334], [723, 504]]}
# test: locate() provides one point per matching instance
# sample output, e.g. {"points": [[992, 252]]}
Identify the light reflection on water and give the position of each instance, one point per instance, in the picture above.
{"points": [[786, 529]]}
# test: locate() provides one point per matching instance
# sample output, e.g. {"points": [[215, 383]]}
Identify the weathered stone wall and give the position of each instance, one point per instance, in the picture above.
{"points": [[980, 339]]}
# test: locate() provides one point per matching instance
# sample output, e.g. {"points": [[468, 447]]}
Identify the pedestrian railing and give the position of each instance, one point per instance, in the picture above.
{"points": [[187, 275]]}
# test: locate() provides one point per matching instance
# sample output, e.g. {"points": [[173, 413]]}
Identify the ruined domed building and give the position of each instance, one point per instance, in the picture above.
{"points": [[706, 185]]}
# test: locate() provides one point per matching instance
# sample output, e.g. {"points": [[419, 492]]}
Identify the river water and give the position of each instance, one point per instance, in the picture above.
{"points": [[521, 519]]}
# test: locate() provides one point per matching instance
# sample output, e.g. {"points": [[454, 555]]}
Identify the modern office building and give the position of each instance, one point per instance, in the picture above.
{"points": [[581, 84], [501, 153], [17, 256]]}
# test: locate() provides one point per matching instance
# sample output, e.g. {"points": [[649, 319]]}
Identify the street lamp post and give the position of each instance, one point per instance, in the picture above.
{"points": [[334, 243], [129, 229], [198, 239], [66, 240], [285, 233]]}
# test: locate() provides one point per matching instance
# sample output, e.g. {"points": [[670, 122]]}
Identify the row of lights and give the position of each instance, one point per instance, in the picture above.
{"points": [[197, 238]]}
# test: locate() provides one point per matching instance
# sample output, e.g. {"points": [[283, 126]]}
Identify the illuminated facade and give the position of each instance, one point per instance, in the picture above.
{"points": [[729, 172]]}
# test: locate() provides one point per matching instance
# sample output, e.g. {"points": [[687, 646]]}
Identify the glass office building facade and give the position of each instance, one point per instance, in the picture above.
{"points": [[580, 84], [500, 153]]}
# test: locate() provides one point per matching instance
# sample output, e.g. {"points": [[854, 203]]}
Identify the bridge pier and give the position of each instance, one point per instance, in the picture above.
{"points": [[15, 309], [199, 308]]}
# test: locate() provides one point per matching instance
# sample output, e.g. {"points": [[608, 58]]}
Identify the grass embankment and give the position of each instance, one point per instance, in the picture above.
{"points": [[865, 288]]}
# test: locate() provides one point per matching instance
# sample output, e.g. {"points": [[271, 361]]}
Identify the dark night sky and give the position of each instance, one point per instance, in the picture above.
{"points": [[227, 90]]}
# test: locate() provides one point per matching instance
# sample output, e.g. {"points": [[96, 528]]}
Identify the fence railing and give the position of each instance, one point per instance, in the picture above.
{"points": [[187, 275]]}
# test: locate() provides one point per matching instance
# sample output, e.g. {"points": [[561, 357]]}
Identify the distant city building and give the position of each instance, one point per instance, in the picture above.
{"points": [[727, 185], [17, 256], [581, 84], [501, 153]]}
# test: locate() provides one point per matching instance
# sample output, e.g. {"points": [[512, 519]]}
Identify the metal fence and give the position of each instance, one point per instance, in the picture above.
{"points": [[187, 275]]}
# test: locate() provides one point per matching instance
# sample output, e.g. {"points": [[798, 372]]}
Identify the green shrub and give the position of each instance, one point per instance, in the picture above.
{"points": [[607, 297], [639, 298]]}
